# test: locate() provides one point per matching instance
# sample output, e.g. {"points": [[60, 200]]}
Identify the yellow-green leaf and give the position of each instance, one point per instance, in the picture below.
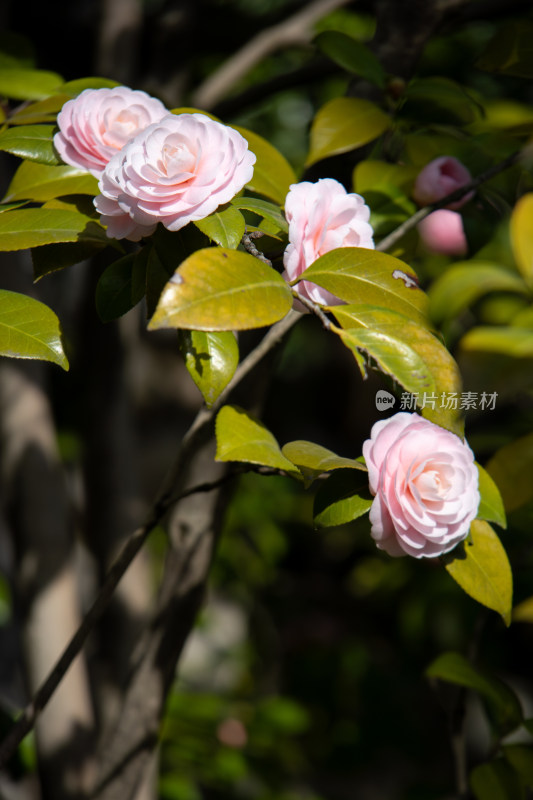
{"points": [[28, 84], [523, 612], [341, 499], [41, 111], [272, 172], [33, 142], [491, 507], [344, 124], [522, 236], [32, 227], [241, 437], [511, 468], [40, 182], [216, 289], [481, 567], [211, 359], [29, 329], [313, 459], [225, 226]]}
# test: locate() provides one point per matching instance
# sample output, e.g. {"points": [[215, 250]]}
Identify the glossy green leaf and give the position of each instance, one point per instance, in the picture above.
{"points": [[29, 329], [218, 289], [510, 51], [73, 88], [496, 780], [115, 293], [382, 176], [225, 226], [358, 275], [522, 236], [40, 111], [272, 172], [341, 499], [33, 142], [491, 507], [480, 566], [464, 283], [352, 56], [40, 182], [520, 757], [505, 706], [511, 468], [344, 124], [511, 341], [313, 459], [211, 359], [28, 84], [241, 437], [264, 209], [32, 227], [52, 257]]}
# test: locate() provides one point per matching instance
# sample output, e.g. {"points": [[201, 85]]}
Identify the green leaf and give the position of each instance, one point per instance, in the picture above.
{"points": [[512, 341], [313, 459], [28, 84], [523, 612], [505, 706], [29, 329], [272, 172], [520, 757], [114, 291], [41, 111], [464, 283], [218, 289], [358, 275], [496, 780], [33, 142], [74, 88], [241, 437], [511, 468], [40, 182], [510, 52], [439, 100], [341, 499], [491, 507], [225, 226], [32, 227], [352, 56], [522, 236], [262, 208], [480, 566], [211, 359], [52, 257], [344, 124]]}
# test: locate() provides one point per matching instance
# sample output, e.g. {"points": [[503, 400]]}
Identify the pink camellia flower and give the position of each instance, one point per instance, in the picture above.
{"points": [[442, 231], [98, 122], [425, 484], [322, 216], [176, 171], [439, 178]]}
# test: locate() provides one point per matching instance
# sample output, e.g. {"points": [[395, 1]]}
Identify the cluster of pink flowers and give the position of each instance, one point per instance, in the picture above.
{"points": [[153, 166]]}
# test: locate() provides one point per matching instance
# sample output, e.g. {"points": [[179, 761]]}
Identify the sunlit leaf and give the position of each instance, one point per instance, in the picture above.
{"points": [[344, 124], [480, 566], [40, 111], [522, 236], [511, 468], [73, 88], [218, 289], [352, 56], [241, 437], [33, 142], [313, 459], [225, 226], [511, 341], [464, 283], [29, 329], [211, 359], [342, 498], [264, 209], [52, 257], [491, 507], [28, 84], [272, 172], [31, 227], [40, 182]]}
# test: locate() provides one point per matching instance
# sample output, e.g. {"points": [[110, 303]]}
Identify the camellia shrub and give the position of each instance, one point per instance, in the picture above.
{"points": [[211, 229]]}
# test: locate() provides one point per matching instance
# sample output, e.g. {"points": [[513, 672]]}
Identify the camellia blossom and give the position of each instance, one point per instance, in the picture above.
{"points": [[439, 178], [176, 171], [99, 122], [442, 231], [425, 484], [322, 216]]}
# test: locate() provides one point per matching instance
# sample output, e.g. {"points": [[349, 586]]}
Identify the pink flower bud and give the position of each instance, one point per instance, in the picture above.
{"points": [[425, 486], [439, 178], [442, 231]]}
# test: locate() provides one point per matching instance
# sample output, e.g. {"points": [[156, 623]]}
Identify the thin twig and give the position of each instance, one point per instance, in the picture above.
{"points": [[419, 215]]}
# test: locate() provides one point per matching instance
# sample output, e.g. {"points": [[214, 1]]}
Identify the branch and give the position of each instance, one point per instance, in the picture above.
{"points": [[419, 215], [296, 30]]}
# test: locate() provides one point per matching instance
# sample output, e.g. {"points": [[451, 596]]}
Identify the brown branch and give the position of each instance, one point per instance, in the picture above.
{"points": [[296, 30]]}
